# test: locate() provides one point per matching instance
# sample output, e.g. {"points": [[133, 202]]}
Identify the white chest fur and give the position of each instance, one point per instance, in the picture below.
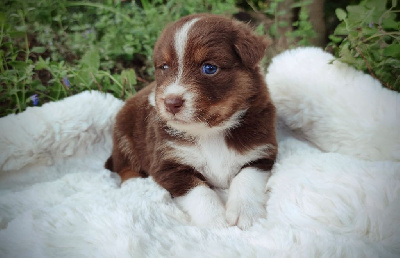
{"points": [[211, 156]]}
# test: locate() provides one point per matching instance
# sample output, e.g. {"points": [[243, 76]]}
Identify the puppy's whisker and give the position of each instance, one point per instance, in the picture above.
{"points": [[147, 117]]}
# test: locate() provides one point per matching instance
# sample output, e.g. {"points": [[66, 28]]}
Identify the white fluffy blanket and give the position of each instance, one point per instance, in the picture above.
{"points": [[335, 189]]}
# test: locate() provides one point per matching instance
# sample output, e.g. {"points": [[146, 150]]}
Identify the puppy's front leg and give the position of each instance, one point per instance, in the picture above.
{"points": [[192, 194], [247, 197], [204, 207]]}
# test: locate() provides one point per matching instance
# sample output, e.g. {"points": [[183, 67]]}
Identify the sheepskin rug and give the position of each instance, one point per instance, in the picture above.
{"points": [[334, 192]]}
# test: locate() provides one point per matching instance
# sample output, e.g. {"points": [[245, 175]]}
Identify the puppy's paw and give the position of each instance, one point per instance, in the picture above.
{"points": [[247, 198], [204, 207], [243, 213]]}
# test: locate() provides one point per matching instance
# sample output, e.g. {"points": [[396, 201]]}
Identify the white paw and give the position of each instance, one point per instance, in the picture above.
{"points": [[244, 213], [247, 198], [204, 207]]}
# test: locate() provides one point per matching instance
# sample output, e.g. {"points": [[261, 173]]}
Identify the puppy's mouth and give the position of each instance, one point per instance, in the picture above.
{"points": [[176, 119], [175, 110], [179, 113], [185, 120]]}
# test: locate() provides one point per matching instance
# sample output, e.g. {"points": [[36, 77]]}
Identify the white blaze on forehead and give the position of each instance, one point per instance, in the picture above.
{"points": [[175, 87], [181, 37]]}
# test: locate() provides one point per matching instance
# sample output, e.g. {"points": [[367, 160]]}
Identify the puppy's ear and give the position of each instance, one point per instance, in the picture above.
{"points": [[249, 46]]}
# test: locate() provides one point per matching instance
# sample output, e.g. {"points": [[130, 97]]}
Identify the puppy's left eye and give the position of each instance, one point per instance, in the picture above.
{"points": [[209, 69]]}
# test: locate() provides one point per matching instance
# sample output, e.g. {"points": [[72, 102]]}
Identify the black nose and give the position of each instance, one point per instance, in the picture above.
{"points": [[173, 104]]}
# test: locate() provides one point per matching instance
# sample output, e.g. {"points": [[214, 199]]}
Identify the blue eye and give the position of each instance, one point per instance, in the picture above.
{"points": [[209, 69]]}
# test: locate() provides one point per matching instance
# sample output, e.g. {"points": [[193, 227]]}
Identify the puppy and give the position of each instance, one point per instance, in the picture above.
{"points": [[206, 123]]}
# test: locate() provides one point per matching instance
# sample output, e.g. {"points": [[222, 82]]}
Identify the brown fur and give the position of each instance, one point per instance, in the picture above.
{"points": [[141, 130]]}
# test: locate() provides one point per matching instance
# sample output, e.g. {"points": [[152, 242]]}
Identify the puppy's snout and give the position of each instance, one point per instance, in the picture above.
{"points": [[174, 104]]}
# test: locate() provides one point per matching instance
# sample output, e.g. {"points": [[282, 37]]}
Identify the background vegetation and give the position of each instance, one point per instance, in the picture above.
{"points": [[53, 49]]}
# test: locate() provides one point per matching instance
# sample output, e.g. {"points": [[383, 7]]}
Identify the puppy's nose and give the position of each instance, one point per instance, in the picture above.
{"points": [[173, 104]]}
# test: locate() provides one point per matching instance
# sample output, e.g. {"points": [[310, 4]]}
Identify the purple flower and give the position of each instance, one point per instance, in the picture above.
{"points": [[66, 82], [35, 99], [87, 32]]}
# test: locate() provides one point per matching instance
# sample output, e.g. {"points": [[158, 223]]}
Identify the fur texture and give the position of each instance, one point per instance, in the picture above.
{"points": [[334, 118], [57, 200]]}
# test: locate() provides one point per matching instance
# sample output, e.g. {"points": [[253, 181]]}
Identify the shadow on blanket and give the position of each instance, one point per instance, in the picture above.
{"points": [[335, 189]]}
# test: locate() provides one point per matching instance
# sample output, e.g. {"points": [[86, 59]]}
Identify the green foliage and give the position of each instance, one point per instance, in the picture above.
{"points": [[298, 32], [271, 9], [368, 38], [54, 49], [303, 30]]}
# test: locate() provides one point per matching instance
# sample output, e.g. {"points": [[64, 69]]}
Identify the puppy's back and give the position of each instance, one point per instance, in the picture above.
{"points": [[132, 136]]}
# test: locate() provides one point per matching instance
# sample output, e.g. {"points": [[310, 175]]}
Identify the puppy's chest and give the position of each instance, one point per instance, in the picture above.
{"points": [[212, 158]]}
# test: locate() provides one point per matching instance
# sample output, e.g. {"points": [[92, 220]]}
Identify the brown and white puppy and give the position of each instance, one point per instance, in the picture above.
{"points": [[206, 123]]}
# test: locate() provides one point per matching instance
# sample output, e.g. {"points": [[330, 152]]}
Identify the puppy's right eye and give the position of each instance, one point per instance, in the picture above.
{"points": [[209, 69], [164, 67]]}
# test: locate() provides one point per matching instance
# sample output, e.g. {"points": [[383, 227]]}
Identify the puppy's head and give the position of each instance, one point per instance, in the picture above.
{"points": [[207, 72]]}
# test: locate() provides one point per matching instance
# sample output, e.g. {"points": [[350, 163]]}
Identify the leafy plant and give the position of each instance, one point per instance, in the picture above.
{"points": [[368, 38], [303, 29], [299, 32]]}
